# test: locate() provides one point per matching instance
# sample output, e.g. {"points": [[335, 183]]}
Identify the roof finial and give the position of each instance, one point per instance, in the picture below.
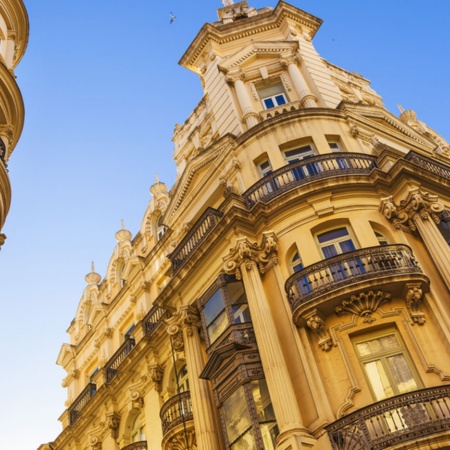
{"points": [[156, 177], [400, 107], [92, 267], [227, 2], [122, 223]]}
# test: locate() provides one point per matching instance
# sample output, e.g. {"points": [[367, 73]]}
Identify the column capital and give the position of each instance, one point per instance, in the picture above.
{"points": [[235, 74], [248, 254], [417, 203], [185, 319], [289, 58]]}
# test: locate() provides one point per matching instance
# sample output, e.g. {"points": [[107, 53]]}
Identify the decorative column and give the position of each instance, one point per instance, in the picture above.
{"points": [[250, 116], [248, 261], [188, 321], [420, 212], [307, 98]]}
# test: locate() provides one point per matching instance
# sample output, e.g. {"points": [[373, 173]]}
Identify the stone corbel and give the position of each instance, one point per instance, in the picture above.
{"points": [[317, 325], [113, 422], [235, 74], [363, 304], [413, 301], [246, 253], [176, 337], [156, 375]]}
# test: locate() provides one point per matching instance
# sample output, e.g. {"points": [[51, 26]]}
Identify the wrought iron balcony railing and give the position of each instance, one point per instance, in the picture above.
{"points": [[112, 367], [393, 421], [153, 320], [141, 445], [349, 268], [429, 164], [194, 238], [307, 170], [175, 411], [80, 402]]}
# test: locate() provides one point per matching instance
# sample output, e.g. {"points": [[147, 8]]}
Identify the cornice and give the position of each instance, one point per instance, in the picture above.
{"points": [[240, 30]]}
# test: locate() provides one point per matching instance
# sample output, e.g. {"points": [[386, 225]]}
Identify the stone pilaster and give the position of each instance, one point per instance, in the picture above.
{"points": [[248, 261]]}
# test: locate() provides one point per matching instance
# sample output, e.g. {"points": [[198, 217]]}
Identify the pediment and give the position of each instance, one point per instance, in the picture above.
{"points": [[130, 265], [247, 56], [221, 357]]}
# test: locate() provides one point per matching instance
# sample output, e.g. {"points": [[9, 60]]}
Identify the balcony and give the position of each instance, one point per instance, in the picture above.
{"points": [[153, 320], [112, 367], [394, 421], [322, 284], [141, 445], [194, 238], [306, 171], [429, 164], [80, 402], [176, 411]]}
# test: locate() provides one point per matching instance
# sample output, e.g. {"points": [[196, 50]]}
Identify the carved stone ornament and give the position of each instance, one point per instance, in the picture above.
{"points": [[113, 421], [317, 325], [246, 254], [156, 375], [413, 301], [176, 337], [178, 442], [419, 203], [364, 304], [95, 442]]}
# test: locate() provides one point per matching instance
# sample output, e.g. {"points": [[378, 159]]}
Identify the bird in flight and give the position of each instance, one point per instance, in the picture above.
{"points": [[172, 17]]}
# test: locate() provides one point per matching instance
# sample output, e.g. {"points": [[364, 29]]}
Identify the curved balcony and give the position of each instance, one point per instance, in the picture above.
{"points": [[306, 171], [394, 421], [141, 445], [176, 411], [323, 284]]}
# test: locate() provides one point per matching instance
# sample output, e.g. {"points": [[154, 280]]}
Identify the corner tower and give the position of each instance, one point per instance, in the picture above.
{"points": [[290, 291]]}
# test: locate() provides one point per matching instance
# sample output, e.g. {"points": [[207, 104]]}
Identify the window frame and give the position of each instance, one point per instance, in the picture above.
{"points": [[383, 356]]}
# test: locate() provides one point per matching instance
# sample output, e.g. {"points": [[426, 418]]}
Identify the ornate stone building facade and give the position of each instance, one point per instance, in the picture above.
{"points": [[291, 290], [14, 30]]}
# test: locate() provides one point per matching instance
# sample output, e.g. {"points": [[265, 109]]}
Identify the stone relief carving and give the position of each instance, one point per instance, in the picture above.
{"points": [[246, 254], [317, 325], [413, 301], [418, 202], [364, 304]]}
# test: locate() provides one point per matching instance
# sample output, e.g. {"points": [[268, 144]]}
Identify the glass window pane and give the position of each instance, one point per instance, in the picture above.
{"points": [[245, 442], [263, 405], [280, 99], [217, 327], [379, 345], [268, 102], [270, 91], [347, 246], [213, 307], [237, 417], [269, 432], [333, 234], [239, 306], [402, 374], [329, 251], [378, 380]]}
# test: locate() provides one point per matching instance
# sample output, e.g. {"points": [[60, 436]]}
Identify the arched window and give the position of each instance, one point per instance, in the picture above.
{"points": [[296, 262], [183, 379], [137, 430], [336, 241], [382, 240]]}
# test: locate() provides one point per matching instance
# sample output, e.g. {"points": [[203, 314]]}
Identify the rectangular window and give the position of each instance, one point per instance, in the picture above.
{"points": [[264, 168], [386, 365], [272, 95], [215, 316]]}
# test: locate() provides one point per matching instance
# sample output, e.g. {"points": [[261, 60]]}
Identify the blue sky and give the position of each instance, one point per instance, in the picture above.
{"points": [[103, 92]]}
